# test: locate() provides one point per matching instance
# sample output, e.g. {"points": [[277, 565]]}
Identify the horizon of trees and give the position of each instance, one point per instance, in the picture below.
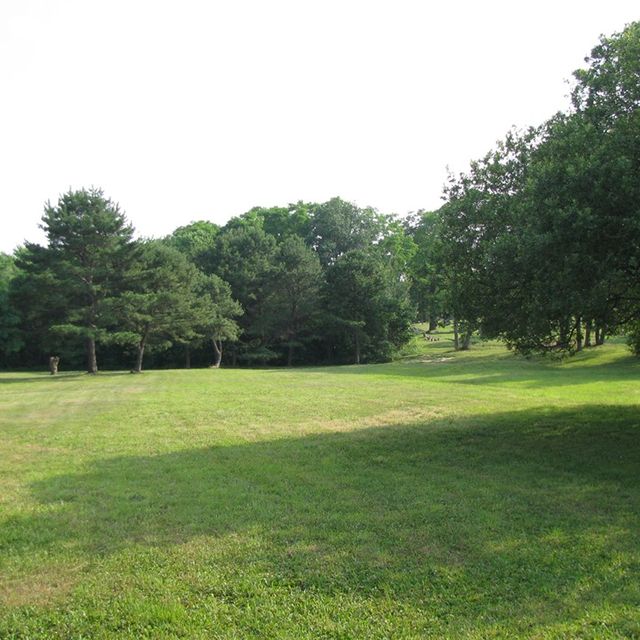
{"points": [[537, 244], [307, 283]]}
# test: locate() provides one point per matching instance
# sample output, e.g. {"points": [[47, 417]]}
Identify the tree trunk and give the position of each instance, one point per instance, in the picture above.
{"points": [[234, 358], [290, 355], [92, 363], [356, 335], [466, 340], [599, 335], [587, 334], [578, 333], [141, 345], [217, 350], [563, 338], [433, 324], [328, 351], [53, 364], [187, 356], [456, 336]]}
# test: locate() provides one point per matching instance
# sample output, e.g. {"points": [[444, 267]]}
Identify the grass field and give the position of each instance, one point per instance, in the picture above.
{"points": [[473, 495]]}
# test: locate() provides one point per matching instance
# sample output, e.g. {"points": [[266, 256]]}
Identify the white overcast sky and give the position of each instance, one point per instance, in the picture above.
{"points": [[193, 109]]}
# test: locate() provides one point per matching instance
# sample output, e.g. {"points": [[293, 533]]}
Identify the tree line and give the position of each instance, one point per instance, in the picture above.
{"points": [[306, 283], [536, 244], [541, 237]]}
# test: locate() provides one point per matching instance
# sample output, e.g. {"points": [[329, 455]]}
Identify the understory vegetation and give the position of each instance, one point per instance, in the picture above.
{"points": [[455, 494]]}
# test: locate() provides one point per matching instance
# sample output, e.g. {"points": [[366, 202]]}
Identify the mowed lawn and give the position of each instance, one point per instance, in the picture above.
{"points": [[474, 495]]}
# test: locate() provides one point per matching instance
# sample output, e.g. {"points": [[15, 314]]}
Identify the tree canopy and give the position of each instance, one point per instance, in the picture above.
{"points": [[542, 236]]}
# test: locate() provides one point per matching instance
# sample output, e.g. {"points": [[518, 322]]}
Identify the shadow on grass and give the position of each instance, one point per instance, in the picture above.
{"points": [[504, 514], [63, 376], [477, 369]]}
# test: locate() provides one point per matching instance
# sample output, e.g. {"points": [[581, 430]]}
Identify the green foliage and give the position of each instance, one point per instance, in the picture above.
{"points": [[633, 337], [243, 256], [397, 245], [161, 304], [277, 275], [294, 295], [608, 88], [10, 337], [426, 268], [369, 306], [40, 303], [282, 222], [260, 279], [542, 236], [195, 241], [338, 226], [89, 252], [480, 225], [217, 313]]}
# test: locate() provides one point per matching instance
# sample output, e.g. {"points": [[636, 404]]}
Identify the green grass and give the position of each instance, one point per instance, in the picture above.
{"points": [[473, 495]]}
